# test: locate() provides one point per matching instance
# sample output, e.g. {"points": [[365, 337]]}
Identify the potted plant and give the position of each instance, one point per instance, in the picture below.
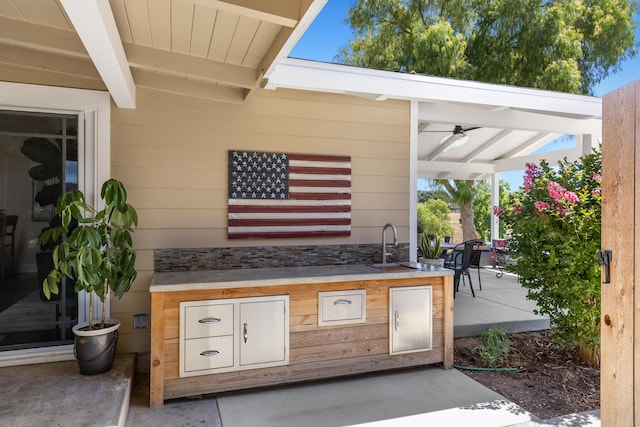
{"points": [[98, 256], [431, 251]]}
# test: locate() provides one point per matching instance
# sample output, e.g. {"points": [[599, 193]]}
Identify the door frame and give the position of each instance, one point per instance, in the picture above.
{"points": [[93, 109]]}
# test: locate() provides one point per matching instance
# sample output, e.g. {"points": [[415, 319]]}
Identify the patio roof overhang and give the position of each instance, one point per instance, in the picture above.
{"points": [[503, 125], [508, 124], [214, 49]]}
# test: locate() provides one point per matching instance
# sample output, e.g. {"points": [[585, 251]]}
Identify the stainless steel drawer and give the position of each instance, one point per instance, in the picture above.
{"points": [[208, 320], [342, 307], [208, 353]]}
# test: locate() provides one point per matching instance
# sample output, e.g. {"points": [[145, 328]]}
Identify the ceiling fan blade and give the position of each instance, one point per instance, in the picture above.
{"points": [[448, 138]]}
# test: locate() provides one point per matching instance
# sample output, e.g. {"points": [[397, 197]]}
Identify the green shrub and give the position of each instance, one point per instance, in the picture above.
{"points": [[495, 347], [555, 235]]}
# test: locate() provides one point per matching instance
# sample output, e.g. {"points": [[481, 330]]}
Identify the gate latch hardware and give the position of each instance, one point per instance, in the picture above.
{"points": [[605, 261]]}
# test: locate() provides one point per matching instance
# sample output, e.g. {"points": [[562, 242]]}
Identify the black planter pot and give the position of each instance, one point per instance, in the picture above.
{"points": [[95, 349]]}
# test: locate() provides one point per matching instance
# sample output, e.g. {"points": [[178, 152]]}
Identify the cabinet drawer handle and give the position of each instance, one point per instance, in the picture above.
{"points": [[342, 302], [210, 320], [245, 332], [397, 320], [209, 353]]}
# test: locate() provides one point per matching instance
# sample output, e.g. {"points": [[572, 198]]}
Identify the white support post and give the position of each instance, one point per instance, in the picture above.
{"points": [[495, 201], [585, 143], [413, 182]]}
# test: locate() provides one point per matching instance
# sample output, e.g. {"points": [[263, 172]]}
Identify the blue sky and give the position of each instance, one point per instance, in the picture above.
{"points": [[328, 32]]}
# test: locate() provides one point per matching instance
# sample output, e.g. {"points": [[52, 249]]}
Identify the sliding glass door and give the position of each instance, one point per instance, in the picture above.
{"points": [[38, 161]]}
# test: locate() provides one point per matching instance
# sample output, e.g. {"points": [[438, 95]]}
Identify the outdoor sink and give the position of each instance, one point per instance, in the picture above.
{"points": [[398, 266]]}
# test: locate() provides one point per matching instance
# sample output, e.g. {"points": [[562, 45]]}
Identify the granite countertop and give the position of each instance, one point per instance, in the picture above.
{"points": [[250, 277]]}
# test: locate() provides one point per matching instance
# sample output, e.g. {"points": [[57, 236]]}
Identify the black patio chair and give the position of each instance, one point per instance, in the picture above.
{"points": [[476, 257], [460, 263]]}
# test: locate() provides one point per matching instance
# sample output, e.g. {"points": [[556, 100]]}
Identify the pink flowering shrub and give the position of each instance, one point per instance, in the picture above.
{"points": [[554, 221]]}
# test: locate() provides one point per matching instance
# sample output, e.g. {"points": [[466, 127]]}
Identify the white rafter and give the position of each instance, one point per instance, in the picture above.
{"points": [[96, 27]]}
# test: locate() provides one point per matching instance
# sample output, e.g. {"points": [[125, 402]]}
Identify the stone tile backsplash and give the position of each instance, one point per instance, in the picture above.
{"points": [[191, 259]]}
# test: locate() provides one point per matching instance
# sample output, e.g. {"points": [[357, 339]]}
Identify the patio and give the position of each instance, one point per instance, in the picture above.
{"points": [[50, 392]]}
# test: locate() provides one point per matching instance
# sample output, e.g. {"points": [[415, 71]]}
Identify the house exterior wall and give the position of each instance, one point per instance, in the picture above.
{"points": [[171, 153]]}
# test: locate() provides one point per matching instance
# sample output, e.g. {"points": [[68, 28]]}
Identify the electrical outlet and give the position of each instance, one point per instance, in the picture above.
{"points": [[140, 321]]}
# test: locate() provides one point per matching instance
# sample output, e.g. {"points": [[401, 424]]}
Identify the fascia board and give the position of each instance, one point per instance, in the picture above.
{"points": [[309, 75]]}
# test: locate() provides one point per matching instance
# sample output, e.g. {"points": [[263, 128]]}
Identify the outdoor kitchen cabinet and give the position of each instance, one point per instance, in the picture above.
{"points": [[409, 319], [297, 324], [233, 334]]}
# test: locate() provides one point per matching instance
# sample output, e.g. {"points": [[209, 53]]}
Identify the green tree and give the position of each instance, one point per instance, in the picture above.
{"points": [[461, 191], [564, 45], [424, 195], [433, 218]]}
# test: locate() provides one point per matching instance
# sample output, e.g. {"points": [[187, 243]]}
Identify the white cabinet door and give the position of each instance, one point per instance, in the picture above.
{"points": [[263, 332], [409, 319]]}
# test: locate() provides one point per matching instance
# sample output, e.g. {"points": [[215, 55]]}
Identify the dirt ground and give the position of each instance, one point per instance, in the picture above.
{"points": [[548, 383]]}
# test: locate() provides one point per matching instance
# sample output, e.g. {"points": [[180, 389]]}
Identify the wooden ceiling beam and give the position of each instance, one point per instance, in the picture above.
{"points": [[48, 62], [281, 12], [190, 88], [38, 37], [185, 66]]}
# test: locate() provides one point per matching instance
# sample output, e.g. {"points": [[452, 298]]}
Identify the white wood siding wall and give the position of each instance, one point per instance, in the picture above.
{"points": [[171, 153]]}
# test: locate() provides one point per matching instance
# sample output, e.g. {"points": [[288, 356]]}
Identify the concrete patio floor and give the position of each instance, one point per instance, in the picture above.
{"points": [[49, 394]]}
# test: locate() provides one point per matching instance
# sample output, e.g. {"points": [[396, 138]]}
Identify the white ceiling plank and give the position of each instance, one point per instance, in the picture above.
{"points": [[532, 144], [138, 18], [178, 65], [245, 32], [552, 157], [52, 13], [30, 12], [486, 145], [181, 26], [204, 20], [281, 12], [9, 10], [122, 21], [264, 38], [159, 23], [94, 23], [222, 34]]}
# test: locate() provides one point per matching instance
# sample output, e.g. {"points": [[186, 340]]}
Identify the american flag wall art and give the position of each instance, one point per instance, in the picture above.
{"points": [[279, 195]]}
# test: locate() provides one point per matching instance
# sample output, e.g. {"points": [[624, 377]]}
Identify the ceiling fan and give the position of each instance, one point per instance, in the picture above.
{"points": [[459, 133]]}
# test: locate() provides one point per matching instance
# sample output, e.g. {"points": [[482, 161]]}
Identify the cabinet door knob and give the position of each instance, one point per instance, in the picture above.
{"points": [[209, 353], [342, 302], [210, 320], [245, 333]]}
